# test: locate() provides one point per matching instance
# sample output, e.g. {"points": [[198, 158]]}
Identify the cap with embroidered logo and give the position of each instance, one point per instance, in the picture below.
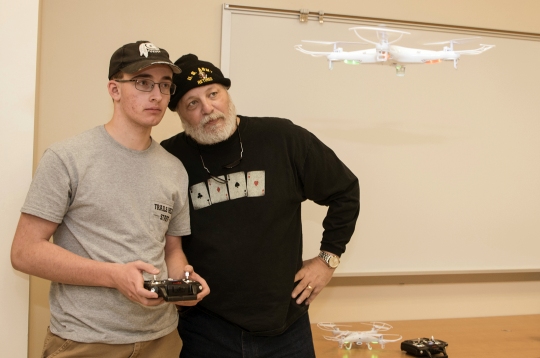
{"points": [[195, 73], [134, 57]]}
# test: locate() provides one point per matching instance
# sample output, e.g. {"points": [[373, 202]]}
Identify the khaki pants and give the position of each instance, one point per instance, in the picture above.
{"points": [[167, 347]]}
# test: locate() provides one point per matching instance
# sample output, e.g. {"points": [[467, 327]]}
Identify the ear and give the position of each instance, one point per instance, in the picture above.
{"points": [[114, 90]]}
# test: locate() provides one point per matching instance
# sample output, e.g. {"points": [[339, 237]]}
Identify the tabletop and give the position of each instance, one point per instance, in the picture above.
{"points": [[493, 337]]}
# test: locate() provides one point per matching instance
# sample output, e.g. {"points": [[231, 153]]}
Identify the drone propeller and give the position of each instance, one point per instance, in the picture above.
{"points": [[335, 43], [331, 338], [476, 51], [327, 326], [378, 326], [375, 28], [455, 41], [382, 34], [383, 340], [452, 42], [312, 53]]}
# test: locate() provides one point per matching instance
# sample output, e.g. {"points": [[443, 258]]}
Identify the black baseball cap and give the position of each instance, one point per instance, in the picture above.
{"points": [[195, 73], [134, 57]]}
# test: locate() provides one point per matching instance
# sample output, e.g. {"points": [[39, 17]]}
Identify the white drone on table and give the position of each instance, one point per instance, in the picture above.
{"points": [[347, 338], [387, 54]]}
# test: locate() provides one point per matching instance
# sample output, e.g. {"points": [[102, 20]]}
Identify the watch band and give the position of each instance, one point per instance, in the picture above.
{"points": [[331, 261]]}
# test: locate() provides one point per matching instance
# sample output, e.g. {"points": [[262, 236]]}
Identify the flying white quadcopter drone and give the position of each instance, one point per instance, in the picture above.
{"points": [[347, 338], [387, 54]]}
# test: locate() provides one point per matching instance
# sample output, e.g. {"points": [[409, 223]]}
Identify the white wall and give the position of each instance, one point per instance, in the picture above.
{"points": [[19, 37], [427, 297]]}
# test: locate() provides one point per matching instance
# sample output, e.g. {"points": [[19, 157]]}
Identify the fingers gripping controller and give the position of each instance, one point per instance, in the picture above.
{"points": [[174, 290]]}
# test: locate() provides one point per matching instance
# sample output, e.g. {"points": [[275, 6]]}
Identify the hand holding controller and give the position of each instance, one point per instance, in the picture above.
{"points": [[174, 290]]}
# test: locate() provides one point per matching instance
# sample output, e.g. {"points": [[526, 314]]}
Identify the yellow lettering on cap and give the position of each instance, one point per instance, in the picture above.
{"points": [[207, 79]]}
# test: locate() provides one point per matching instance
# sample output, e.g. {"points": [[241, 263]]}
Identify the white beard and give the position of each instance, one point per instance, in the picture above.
{"points": [[213, 135]]}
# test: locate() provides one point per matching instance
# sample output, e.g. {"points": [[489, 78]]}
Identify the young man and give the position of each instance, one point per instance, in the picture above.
{"points": [[247, 180], [116, 205]]}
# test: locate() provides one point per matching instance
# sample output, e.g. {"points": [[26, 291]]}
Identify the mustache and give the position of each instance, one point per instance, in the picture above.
{"points": [[211, 117]]}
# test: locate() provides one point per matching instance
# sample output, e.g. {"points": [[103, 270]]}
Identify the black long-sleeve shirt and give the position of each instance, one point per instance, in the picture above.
{"points": [[246, 236]]}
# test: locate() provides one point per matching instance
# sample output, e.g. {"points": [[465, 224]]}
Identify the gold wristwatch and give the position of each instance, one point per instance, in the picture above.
{"points": [[331, 260]]}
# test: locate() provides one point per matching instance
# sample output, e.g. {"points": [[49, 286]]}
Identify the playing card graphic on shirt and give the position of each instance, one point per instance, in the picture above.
{"points": [[255, 183], [237, 185], [218, 191], [199, 196]]}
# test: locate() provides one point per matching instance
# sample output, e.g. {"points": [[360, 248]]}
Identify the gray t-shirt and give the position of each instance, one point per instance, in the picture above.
{"points": [[112, 204]]}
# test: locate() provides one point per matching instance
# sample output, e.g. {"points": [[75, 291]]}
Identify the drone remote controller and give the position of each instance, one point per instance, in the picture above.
{"points": [[174, 290], [425, 347]]}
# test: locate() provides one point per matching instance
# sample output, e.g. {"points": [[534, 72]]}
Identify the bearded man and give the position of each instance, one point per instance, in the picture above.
{"points": [[247, 180]]}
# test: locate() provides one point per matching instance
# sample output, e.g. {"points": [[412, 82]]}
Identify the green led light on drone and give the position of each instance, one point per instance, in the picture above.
{"points": [[351, 62]]}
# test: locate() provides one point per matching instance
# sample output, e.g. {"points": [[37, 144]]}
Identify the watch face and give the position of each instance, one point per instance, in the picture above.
{"points": [[334, 261]]}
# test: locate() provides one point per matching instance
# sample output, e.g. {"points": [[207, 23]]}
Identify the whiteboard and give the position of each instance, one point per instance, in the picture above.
{"points": [[448, 160]]}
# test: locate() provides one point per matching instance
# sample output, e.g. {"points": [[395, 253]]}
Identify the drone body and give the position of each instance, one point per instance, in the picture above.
{"points": [[347, 338], [385, 53]]}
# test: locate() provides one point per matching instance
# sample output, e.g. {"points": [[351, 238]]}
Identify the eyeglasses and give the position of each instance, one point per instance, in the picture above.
{"points": [[226, 166], [146, 85]]}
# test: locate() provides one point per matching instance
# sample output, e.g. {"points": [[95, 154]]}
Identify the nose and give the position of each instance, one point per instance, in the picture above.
{"points": [[155, 94], [207, 106]]}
